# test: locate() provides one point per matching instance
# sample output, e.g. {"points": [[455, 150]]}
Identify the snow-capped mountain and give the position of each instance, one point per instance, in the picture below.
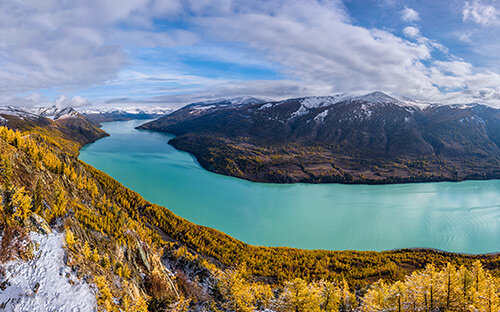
{"points": [[225, 102], [106, 109], [55, 113], [66, 120], [18, 112], [371, 128]]}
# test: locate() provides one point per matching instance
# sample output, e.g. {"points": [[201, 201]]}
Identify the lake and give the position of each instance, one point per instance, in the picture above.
{"points": [[459, 217]]}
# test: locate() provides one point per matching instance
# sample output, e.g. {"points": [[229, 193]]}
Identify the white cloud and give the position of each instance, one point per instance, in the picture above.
{"points": [[411, 32], [70, 45], [480, 13], [464, 37], [312, 43], [76, 101], [317, 44], [409, 15]]}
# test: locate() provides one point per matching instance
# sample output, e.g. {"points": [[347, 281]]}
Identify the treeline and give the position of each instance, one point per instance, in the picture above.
{"points": [[448, 289]]}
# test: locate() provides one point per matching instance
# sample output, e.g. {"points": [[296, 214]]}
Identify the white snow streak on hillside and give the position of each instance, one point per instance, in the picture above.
{"points": [[55, 292], [321, 116], [204, 107]]}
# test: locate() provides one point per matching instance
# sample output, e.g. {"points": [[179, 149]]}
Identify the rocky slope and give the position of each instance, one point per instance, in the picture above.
{"points": [[373, 138]]}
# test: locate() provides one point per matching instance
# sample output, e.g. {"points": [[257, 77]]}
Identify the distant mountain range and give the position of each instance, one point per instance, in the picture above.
{"points": [[371, 138], [95, 113], [70, 123], [100, 114]]}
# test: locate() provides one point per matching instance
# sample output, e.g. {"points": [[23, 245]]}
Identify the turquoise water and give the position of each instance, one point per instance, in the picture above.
{"points": [[460, 217]]}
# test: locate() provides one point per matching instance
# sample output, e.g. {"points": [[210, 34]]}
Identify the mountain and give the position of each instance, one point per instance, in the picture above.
{"points": [[371, 138], [68, 121], [198, 109], [106, 112], [74, 239], [101, 113]]}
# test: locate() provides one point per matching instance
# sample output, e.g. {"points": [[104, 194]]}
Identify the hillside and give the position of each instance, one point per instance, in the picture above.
{"points": [[66, 123], [372, 138], [136, 256]]}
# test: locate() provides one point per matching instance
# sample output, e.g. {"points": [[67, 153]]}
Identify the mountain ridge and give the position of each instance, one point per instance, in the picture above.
{"points": [[371, 138], [67, 120]]}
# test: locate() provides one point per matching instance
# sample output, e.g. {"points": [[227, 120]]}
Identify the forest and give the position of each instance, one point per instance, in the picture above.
{"points": [[142, 257]]}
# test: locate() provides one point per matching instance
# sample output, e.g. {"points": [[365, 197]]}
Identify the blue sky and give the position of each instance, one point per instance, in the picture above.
{"points": [[171, 52]]}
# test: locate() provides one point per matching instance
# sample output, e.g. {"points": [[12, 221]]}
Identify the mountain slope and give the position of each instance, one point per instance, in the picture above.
{"points": [[137, 256], [67, 121], [372, 138]]}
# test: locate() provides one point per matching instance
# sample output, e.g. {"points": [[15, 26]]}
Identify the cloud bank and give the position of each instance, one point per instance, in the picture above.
{"points": [[314, 46]]}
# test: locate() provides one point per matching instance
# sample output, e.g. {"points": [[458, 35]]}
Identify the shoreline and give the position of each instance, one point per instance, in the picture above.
{"points": [[386, 251], [334, 180]]}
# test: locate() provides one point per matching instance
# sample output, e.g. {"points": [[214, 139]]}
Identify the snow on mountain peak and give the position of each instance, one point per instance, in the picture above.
{"points": [[373, 98], [18, 112], [319, 101], [68, 112], [244, 100], [236, 101], [377, 97]]}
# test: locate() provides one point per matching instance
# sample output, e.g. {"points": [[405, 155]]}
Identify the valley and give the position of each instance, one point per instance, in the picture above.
{"points": [[458, 217], [249, 156], [135, 255]]}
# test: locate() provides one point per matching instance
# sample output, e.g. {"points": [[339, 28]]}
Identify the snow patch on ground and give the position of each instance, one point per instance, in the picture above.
{"points": [[463, 106], [18, 112], [320, 101], [199, 107], [366, 110], [321, 116], [315, 102], [47, 270], [382, 98], [300, 112], [268, 105]]}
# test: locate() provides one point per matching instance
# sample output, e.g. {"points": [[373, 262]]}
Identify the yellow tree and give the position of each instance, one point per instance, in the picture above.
{"points": [[466, 286], [60, 205], [377, 299], [95, 256], [298, 296], [236, 291], [484, 290], [330, 296], [69, 237], [21, 203], [86, 251], [450, 287], [105, 297], [347, 299]]}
